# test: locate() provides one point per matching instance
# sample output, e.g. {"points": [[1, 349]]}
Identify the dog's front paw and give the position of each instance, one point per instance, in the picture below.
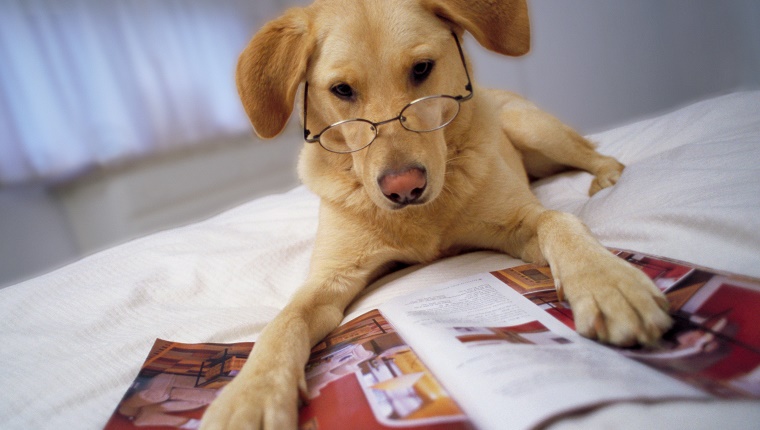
{"points": [[253, 401], [606, 176], [616, 303]]}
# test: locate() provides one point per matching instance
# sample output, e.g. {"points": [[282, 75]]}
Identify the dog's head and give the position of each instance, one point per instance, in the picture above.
{"points": [[369, 60]]}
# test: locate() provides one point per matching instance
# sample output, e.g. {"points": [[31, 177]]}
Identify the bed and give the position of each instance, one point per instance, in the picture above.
{"points": [[73, 340]]}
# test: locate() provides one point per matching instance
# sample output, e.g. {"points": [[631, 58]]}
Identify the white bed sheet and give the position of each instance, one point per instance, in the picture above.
{"points": [[73, 340]]}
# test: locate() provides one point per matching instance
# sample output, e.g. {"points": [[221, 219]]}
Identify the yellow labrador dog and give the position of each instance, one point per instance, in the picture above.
{"points": [[413, 162]]}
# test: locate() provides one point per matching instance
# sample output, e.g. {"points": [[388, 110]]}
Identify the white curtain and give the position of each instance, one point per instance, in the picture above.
{"points": [[86, 83]]}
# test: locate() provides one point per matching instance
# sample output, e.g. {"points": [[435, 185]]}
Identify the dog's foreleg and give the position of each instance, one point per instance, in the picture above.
{"points": [[266, 392], [611, 300]]}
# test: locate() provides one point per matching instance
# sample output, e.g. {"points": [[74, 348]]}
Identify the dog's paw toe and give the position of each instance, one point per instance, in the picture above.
{"points": [[254, 406], [606, 177], [624, 326], [622, 307]]}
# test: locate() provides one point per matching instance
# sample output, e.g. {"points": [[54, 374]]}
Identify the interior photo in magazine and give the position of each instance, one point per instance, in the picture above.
{"points": [[531, 333], [176, 384], [368, 373]]}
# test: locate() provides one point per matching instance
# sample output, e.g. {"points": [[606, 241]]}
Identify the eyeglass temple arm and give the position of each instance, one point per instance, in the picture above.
{"points": [[306, 131], [467, 87]]}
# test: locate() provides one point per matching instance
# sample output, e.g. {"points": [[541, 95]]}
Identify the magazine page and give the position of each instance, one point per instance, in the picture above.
{"points": [[512, 365], [362, 375], [714, 344]]}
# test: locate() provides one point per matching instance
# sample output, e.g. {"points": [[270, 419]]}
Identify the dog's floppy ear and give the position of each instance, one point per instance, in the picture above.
{"points": [[270, 69], [502, 26]]}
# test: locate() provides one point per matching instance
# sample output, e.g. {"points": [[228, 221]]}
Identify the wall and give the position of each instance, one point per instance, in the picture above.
{"points": [[178, 188], [600, 63], [34, 233]]}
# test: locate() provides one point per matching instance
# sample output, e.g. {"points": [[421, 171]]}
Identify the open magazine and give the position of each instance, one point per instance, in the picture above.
{"points": [[491, 351]]}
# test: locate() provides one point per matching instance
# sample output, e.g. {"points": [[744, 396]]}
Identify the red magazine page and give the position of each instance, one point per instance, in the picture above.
{"points": [[715, 341]]}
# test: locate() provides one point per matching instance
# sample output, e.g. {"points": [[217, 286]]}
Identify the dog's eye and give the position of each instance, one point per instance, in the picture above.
{"points": [[422, 70], [343, 91]]}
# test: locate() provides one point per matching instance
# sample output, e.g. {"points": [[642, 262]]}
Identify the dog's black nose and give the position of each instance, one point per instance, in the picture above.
{"points": [[403, 187]]}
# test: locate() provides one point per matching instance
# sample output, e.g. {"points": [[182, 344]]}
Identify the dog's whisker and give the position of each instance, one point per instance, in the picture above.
{"points": [[456, 159]]}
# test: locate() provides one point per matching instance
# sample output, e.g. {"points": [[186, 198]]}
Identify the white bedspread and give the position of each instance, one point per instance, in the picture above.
{"points": [[72, 341]]}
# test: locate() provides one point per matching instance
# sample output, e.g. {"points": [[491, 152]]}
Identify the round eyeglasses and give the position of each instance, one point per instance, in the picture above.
{"points": [[420, 116]]}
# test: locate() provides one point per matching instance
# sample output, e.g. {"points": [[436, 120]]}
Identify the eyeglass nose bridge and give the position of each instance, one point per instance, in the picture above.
{"points": [[377, 125], [375, 128]]}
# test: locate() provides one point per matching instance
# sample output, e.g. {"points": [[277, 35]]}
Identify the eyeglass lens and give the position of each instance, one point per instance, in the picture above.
{"points": [[427, 114], [348, 136]]}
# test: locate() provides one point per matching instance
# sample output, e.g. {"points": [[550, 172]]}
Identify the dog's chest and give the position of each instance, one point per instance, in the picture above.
{"points": [[424, 240]]}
